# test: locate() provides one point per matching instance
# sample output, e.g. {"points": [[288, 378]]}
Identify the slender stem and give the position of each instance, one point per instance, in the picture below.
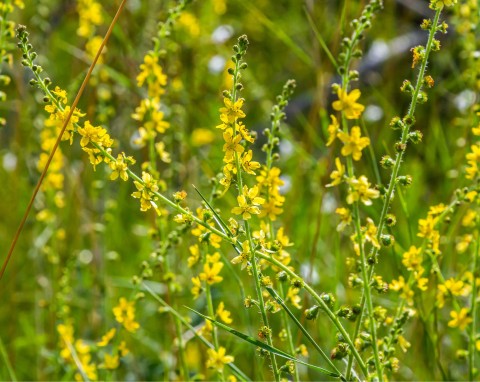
{"points": [[211, 313], [286, 325], [473, 312]]}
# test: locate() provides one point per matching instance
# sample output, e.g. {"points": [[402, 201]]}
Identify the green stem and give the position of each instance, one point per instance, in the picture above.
{"points": [[211, 313], [263, 311], [6, 361], [286, 325], [473, 312]]}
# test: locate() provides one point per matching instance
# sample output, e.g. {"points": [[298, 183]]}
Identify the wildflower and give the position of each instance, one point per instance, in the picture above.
{"points": [[347, 103], [111, 362], [460, 319], [269, 178], [248, 165], [271, 208], [162, 154], [401, 286], [232, 110], [124, 313], [293, 297], [248, 203], [194, 255], [90, 15], [439, 4], [217, 359], [371, 233], [120, 166], [468, 219], [418, 55], [332, 130], [107, 337], [353, 143], [412, 259], [360, 190], [337, 175], [197, 287], [244, 256], [210, 273], [146, 191], [223, 314], [152, 73], [241, 128], [345, 218], [232, 144], [122, 348], [426, 227]]}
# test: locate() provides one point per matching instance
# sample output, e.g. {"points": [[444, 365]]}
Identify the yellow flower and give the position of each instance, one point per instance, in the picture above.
{"points": [[345, 218], [232, 144], [223, 314], [413, 258], [124, 313], [111, 362], [337, 175], [460, 319], [332, 130], [232, 110], [120, 166], [248, 165], [152, 73], [347, 103], [248, 203], [371, 233], [293, 297], [210, 273], [353, 143], [244, 256], [107, 337], [217, 359], [146, 192], [95, 134], [426, 227], [360, 190], [90, 15], [92, 46], [194, 255], [197, 287]]}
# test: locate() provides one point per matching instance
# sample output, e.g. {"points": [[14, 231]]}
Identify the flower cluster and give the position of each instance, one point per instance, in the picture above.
{"points": [[125, 314]]}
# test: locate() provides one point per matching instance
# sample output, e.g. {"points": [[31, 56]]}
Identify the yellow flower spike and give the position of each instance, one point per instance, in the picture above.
{"points": [[360, 191], [347, 102], [353, 143], [218, 359], [223, 314], [460, 319], [337, 175], [119, 167]]}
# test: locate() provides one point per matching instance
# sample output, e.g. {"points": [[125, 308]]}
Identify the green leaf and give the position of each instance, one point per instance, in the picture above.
{"points": [[265, 346]]}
